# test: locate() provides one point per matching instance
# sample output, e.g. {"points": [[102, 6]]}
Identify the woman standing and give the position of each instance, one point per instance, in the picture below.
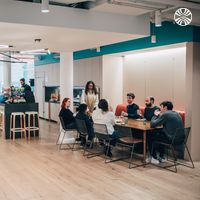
{"points": [[90, 96], [67, 115]]}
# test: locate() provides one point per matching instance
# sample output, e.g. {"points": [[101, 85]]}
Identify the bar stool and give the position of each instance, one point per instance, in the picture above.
{"points": [[32, 127], [13, 127], [2, 121]]}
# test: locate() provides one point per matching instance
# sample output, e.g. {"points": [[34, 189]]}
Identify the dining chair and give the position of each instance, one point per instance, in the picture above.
{"points": [[171, 147], [127, 140], [62, 137]]}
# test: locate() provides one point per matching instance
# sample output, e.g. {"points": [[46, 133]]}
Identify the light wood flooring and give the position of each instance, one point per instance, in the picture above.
{"points": [[37, 170]]}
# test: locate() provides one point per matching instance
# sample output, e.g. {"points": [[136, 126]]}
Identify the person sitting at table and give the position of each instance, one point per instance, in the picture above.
{"points": [[171, 121], [104, 116], [132, 108], [82, 114], [150, 108], [67, 114]]}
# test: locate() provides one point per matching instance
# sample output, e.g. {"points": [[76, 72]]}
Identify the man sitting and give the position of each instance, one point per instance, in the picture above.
{"points": [[132, 108], [171, 121], [150, 108]]}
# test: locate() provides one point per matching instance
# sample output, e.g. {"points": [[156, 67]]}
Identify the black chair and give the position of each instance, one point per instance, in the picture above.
{"points": [[82, 133], [64, 131], [187, 132], [101, 134], [176, 141], [128, 141]]}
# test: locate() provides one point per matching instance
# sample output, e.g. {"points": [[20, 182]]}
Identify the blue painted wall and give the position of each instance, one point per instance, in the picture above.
{"points": [[168, 34]]}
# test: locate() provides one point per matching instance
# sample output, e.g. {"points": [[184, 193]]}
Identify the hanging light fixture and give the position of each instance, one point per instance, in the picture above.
{"points": [[45, 6], [158, 18], [36, 52], [2, 46]]}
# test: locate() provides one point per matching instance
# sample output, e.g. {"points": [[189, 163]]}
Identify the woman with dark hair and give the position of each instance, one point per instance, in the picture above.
{"points": [[67, 114], [82, 114], [104, 116], [90, 96]]}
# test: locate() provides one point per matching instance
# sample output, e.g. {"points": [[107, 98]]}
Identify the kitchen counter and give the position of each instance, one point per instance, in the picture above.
{"points": [[16, 107]]}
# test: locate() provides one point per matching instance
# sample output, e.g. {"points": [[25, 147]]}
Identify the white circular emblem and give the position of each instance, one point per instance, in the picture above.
{"points": [[183, 16]]}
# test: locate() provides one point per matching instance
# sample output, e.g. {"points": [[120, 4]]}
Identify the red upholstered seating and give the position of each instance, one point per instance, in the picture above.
{"points": [[142, 110], [182, 114], [122, 107]]}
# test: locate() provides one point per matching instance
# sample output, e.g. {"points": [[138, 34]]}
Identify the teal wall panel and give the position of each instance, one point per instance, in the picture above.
{"points": [[169, 33]]}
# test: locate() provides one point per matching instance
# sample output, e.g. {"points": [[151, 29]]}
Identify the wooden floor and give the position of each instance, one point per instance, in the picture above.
{"points": [[37, 170]]}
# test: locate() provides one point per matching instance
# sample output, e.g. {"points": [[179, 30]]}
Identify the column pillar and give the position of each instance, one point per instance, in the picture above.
{"points": [[7, 72], [192, 97], [66, 76]]}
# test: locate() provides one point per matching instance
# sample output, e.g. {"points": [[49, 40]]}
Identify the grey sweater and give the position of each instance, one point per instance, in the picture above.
{"points": [[171, 121]]}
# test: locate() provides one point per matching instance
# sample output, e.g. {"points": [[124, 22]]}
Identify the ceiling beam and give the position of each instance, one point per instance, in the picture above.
{"points": [[65, 17]]}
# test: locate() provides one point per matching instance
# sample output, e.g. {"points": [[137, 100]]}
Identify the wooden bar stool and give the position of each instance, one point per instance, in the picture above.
{"points": [[2, 121], [22, 126], [32, 127]]}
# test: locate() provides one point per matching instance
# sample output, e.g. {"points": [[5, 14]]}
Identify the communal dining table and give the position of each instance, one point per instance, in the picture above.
{"points": [[144, 126]]}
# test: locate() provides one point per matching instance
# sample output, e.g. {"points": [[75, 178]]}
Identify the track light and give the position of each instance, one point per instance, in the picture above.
{"points": [[45, 6], [158, 18], [153, 39]]}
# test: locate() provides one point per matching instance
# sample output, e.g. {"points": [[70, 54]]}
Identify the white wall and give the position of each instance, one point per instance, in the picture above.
{"points": [[88, 69], [113, 79], [52, 73], [159, 73]]}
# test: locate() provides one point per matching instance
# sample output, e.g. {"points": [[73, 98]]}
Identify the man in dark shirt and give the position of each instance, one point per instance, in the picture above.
{"points": [[171, 121], [24, 85], [82, 114], [150, 108], [132, 108]]}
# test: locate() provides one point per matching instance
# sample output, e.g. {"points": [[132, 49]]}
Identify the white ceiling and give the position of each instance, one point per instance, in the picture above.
{"points": [[56, 39]]}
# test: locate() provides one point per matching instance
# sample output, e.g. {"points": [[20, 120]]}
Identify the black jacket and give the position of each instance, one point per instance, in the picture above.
{"points": [[88, 122], [67, 116]]}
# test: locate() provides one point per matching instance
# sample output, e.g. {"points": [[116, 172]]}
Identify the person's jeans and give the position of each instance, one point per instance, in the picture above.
{"points": [[114, 137], [157, 137]]}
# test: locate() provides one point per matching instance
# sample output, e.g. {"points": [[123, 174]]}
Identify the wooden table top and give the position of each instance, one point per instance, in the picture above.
{"points": [[138, 124]]}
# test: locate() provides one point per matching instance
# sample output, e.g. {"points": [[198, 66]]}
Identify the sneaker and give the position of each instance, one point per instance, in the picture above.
{"points": [[154, 161], [148, 160], [162, 159]]}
